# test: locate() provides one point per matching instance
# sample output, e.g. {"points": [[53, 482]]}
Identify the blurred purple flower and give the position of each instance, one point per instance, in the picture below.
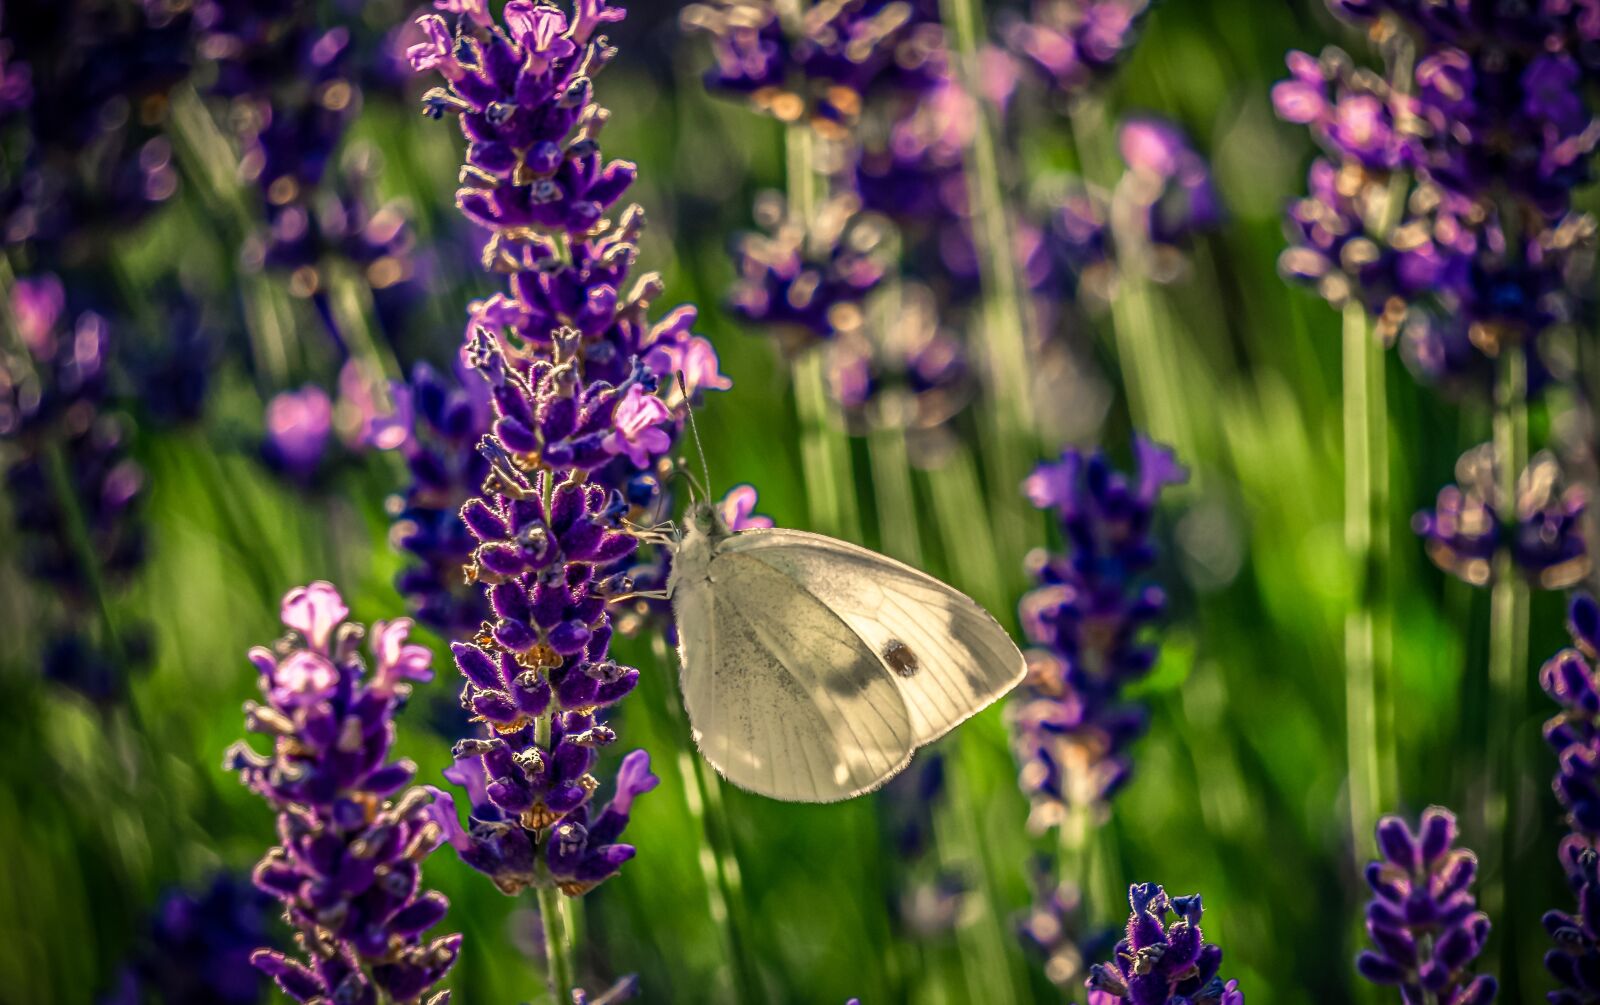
{"points": [[1423, 919], [299, 426], [1464, 532], [1087, 620], [196, 949]]}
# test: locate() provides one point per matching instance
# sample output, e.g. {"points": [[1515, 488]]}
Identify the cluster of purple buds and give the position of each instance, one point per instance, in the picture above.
{"points": [[1423, 920], [449, 415], [89, 103], [1464, 533], [352, 836], [1443, 204], [1574, 734], [197, 947], [839, 57], [1071, 44], [292, 96], [1162, 962], [1053, 927], [1088, 622], [585, 412], [67, 438], [808, 283], [1165, 199]]}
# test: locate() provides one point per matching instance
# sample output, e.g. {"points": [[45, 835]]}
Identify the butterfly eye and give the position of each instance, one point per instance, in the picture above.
{"points": [[900, 658]]}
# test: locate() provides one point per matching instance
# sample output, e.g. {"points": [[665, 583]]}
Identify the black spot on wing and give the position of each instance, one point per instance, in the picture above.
{"points": [[900, 658]]}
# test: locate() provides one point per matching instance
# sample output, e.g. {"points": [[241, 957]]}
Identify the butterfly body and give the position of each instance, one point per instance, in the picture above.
{"points": [[812, 669]]}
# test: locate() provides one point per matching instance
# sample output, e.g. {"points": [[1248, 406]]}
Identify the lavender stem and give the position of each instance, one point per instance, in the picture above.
{"points": [[824, 450], [1508, 629], [1361, 498], [1010, 447]]}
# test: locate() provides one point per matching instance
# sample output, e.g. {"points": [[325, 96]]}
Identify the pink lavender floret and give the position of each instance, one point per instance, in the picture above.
{"points": [[1423, 920], [1162, 961], [1072, 43], [352, 835], [1088, 621]]}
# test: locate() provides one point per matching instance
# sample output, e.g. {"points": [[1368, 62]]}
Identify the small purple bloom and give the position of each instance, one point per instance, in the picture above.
{"points": [[1423, 919], [1162, 962], [739, 509], [637, 435], [299, 427]]}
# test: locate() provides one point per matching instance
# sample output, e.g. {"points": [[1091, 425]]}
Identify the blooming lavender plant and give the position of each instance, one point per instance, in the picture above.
{"points": [[582, 425], [1071, 44], [352, 837], [1162, 962], [1088, 622], [1423, 918]]}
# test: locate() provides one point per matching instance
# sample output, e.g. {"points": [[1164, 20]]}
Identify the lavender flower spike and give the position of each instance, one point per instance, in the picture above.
{"points": [[1423, 918], [351, 843], [1087, 621], [1160, 963]]}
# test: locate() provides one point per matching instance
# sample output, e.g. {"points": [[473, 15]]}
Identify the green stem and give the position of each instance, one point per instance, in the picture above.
{"points": [[898, 534], [557, 943], [558, 936], [719, 865], [1362, 517], [724, 881], [1009, 412], [824, 447], [1508, 638]]}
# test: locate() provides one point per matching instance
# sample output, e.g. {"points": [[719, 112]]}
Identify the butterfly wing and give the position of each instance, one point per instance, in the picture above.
{"points": [[784, 699], [946, 655]]}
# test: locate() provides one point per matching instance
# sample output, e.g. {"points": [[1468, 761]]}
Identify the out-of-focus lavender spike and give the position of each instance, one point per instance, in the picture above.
{"points": [[1070, 726], [1466, 528]]}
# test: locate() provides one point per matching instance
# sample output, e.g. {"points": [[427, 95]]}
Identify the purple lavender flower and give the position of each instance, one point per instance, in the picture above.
{"points": [[807, 284], [841, 57], [80, 164], [450, 413], [197, 948], [1574, 734], [1464, 532], [1409, 214], [1162, 963], [1053, 927], [74, 492], [1423, 919], [1169, 177], [585, 411], [1072, 43], [299, 426], [1087, 621], [351, 843]]}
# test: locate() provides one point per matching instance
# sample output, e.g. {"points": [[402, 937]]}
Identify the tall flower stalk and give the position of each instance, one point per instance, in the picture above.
{"points": [[1090, 621], [352, 836], [586, 403]]}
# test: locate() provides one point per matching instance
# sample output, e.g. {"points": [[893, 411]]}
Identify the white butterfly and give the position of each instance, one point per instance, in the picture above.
{"points": [[812, 668]]}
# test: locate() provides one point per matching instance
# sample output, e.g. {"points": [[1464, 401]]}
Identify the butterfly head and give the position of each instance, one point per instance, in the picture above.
{"points": [[704, 519]]}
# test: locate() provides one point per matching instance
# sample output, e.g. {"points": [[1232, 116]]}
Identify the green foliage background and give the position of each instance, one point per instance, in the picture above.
{"points": [[1239, 791]]}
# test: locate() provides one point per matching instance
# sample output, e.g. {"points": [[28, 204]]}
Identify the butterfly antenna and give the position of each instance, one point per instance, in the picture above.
{"points": [[694, 430]]}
